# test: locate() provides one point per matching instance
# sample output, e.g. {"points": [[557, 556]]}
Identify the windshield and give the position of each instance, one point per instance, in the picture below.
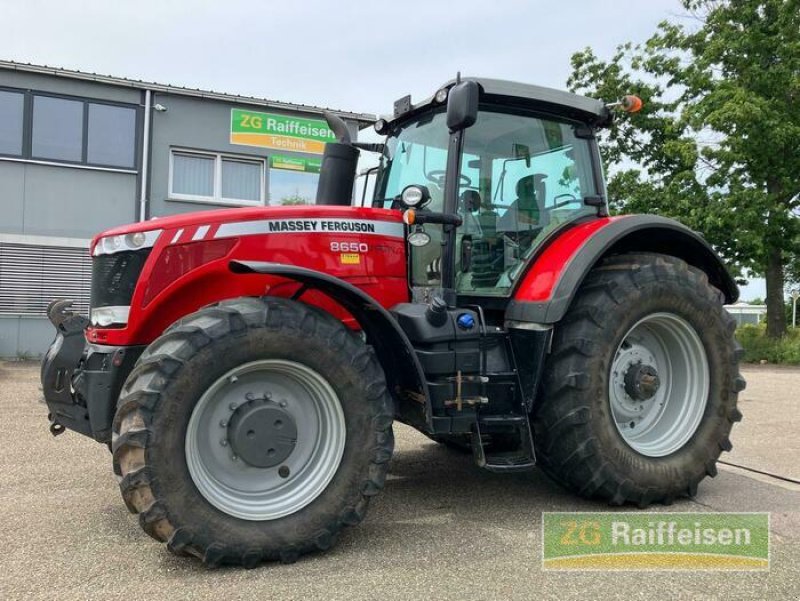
{"points": [[521, 176], [417, 154]]}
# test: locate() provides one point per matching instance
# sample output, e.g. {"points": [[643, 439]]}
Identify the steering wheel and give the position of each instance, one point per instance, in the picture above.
{"points": [[437, 176]]}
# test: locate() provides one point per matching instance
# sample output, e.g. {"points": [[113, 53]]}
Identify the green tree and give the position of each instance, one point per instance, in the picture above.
{"points": [[295, 199], [717, 144]]}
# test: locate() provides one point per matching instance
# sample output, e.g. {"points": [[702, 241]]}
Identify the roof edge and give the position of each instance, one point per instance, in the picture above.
{"points": [[363, 119]]}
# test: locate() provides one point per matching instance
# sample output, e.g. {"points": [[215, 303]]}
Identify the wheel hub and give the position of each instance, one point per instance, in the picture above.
{"points": [[642, 382], [262, 433], [658, 385]]}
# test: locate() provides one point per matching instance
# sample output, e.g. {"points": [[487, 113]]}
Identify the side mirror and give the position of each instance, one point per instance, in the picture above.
{"points": [[462, 105]]}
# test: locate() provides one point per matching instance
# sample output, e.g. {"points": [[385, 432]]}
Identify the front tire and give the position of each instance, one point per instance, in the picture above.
{"points": [[252, 430], [640, 389]]}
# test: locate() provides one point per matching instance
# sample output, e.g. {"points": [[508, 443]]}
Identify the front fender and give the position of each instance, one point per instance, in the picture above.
{"points": [[400, 363], [551, 281]]}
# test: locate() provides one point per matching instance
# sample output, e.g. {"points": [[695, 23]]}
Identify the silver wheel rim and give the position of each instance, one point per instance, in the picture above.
{"points": [[665, 421], [257, 493]]}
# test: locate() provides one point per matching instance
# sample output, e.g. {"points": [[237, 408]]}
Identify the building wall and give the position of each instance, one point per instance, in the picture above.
{"points": [[41, 204], [63, 201], [71, 87], [202, 125], [49, 212], [25, 337]]}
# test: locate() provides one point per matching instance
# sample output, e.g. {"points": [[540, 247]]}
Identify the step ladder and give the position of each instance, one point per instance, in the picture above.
{"points": [[519, 460]]}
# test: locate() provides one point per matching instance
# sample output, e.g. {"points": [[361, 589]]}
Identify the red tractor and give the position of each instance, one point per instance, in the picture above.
{"points": [[245, 366]]}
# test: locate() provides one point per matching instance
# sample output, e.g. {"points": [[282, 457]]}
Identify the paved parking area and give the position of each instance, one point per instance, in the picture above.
{"points": [[442, 529]]}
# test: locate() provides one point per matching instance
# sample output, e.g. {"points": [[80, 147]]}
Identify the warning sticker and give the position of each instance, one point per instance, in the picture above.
{"points": [[350, 258]]}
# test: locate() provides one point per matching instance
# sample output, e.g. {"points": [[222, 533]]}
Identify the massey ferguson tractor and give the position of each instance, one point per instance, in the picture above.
{"points": [[245, 366]]}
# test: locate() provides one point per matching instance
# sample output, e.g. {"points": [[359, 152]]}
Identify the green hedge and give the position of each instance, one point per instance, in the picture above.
{"points": [[757, 347]]}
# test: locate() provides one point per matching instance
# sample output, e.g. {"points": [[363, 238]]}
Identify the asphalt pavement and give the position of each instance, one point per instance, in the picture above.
{"points": [[442, 529]]}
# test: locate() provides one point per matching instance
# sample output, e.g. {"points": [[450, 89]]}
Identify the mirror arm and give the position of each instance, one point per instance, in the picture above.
{"points": [[370, 146]]}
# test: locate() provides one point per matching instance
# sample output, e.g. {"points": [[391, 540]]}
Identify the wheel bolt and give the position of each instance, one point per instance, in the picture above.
{"points": [[233, 379], [232, 406], [283, 471], [224, 442], [223, 423], [283, 403], [235, 457]]}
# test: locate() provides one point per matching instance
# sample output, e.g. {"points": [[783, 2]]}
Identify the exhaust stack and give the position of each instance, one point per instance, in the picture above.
{"points": [[339, 161]]}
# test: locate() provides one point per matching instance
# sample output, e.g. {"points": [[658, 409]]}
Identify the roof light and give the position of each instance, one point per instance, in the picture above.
{"points": [[631, 104], [441, 95], [381, 126], [627, 104]]}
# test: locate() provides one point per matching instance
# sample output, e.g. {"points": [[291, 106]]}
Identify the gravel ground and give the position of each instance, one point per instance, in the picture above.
{"points": [[442, 529]]}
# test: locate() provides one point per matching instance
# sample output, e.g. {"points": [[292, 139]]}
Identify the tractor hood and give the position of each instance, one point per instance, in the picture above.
{"points": [[147, 275], [204, 225]]}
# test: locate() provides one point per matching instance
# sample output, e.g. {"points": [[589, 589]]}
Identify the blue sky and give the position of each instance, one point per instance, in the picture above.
{"points": [[353, 55]]}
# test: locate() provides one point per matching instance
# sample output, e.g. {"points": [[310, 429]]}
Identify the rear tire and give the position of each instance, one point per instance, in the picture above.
{"points": [[596, 432], [177, 464]]}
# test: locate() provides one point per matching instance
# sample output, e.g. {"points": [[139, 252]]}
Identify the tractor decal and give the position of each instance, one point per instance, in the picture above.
{"points": [[290, 226]]}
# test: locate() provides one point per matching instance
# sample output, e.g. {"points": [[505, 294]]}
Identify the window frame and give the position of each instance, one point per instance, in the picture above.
{"points": [[24, 121], [27, 131], [217, 198]]}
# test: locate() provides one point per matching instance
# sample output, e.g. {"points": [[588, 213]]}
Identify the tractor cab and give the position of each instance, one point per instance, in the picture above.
{"points": [[523, 164], [487, 172]]}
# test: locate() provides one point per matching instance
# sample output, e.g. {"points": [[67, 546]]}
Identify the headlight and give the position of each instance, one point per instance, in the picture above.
{"points": [[441, 96], [415, 196], [134, 241], [380, 126], [418, 238], [106, 316]]}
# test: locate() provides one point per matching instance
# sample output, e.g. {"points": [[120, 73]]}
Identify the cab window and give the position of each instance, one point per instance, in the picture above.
{"points": [[533, 175]]}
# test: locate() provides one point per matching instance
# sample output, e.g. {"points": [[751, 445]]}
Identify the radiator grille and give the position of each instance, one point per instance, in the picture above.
{"points": [[114, 277], [31, 276]]}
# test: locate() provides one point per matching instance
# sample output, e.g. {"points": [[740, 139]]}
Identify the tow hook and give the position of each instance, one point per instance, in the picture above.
{"points": [[55, 427]]}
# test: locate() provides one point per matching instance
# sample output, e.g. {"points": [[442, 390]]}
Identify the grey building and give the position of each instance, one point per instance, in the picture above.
{"points": [[81, 152]]}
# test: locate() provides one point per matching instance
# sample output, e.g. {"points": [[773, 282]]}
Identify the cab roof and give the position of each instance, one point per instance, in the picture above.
{"points": [[523, 95]]}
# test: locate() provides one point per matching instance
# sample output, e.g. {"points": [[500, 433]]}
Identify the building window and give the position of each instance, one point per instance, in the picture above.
{"points": [[12, 107], [111, 137], [57, 129], [68, 129], [293, 180], [216, 178], [193, 175], [242, 179]]}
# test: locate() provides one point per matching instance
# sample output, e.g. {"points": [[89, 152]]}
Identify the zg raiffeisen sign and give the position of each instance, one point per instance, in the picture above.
{"points": [[282, 132]]}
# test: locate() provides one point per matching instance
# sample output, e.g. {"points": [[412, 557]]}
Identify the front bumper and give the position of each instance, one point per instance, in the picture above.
{"points": [[81, 381]]}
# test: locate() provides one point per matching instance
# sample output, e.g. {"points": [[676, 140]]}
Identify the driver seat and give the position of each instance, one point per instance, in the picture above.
{"points": [[531, 193]]}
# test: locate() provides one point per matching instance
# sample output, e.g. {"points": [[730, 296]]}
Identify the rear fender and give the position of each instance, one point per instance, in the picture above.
{"points": [[546, 290], [404, 374]]}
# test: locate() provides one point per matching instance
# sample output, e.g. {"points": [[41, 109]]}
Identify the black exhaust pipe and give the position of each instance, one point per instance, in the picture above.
{"points": [[339, 163]]}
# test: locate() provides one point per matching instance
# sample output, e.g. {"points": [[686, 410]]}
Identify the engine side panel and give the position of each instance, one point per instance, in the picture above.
{"points": [[362, 246]]}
